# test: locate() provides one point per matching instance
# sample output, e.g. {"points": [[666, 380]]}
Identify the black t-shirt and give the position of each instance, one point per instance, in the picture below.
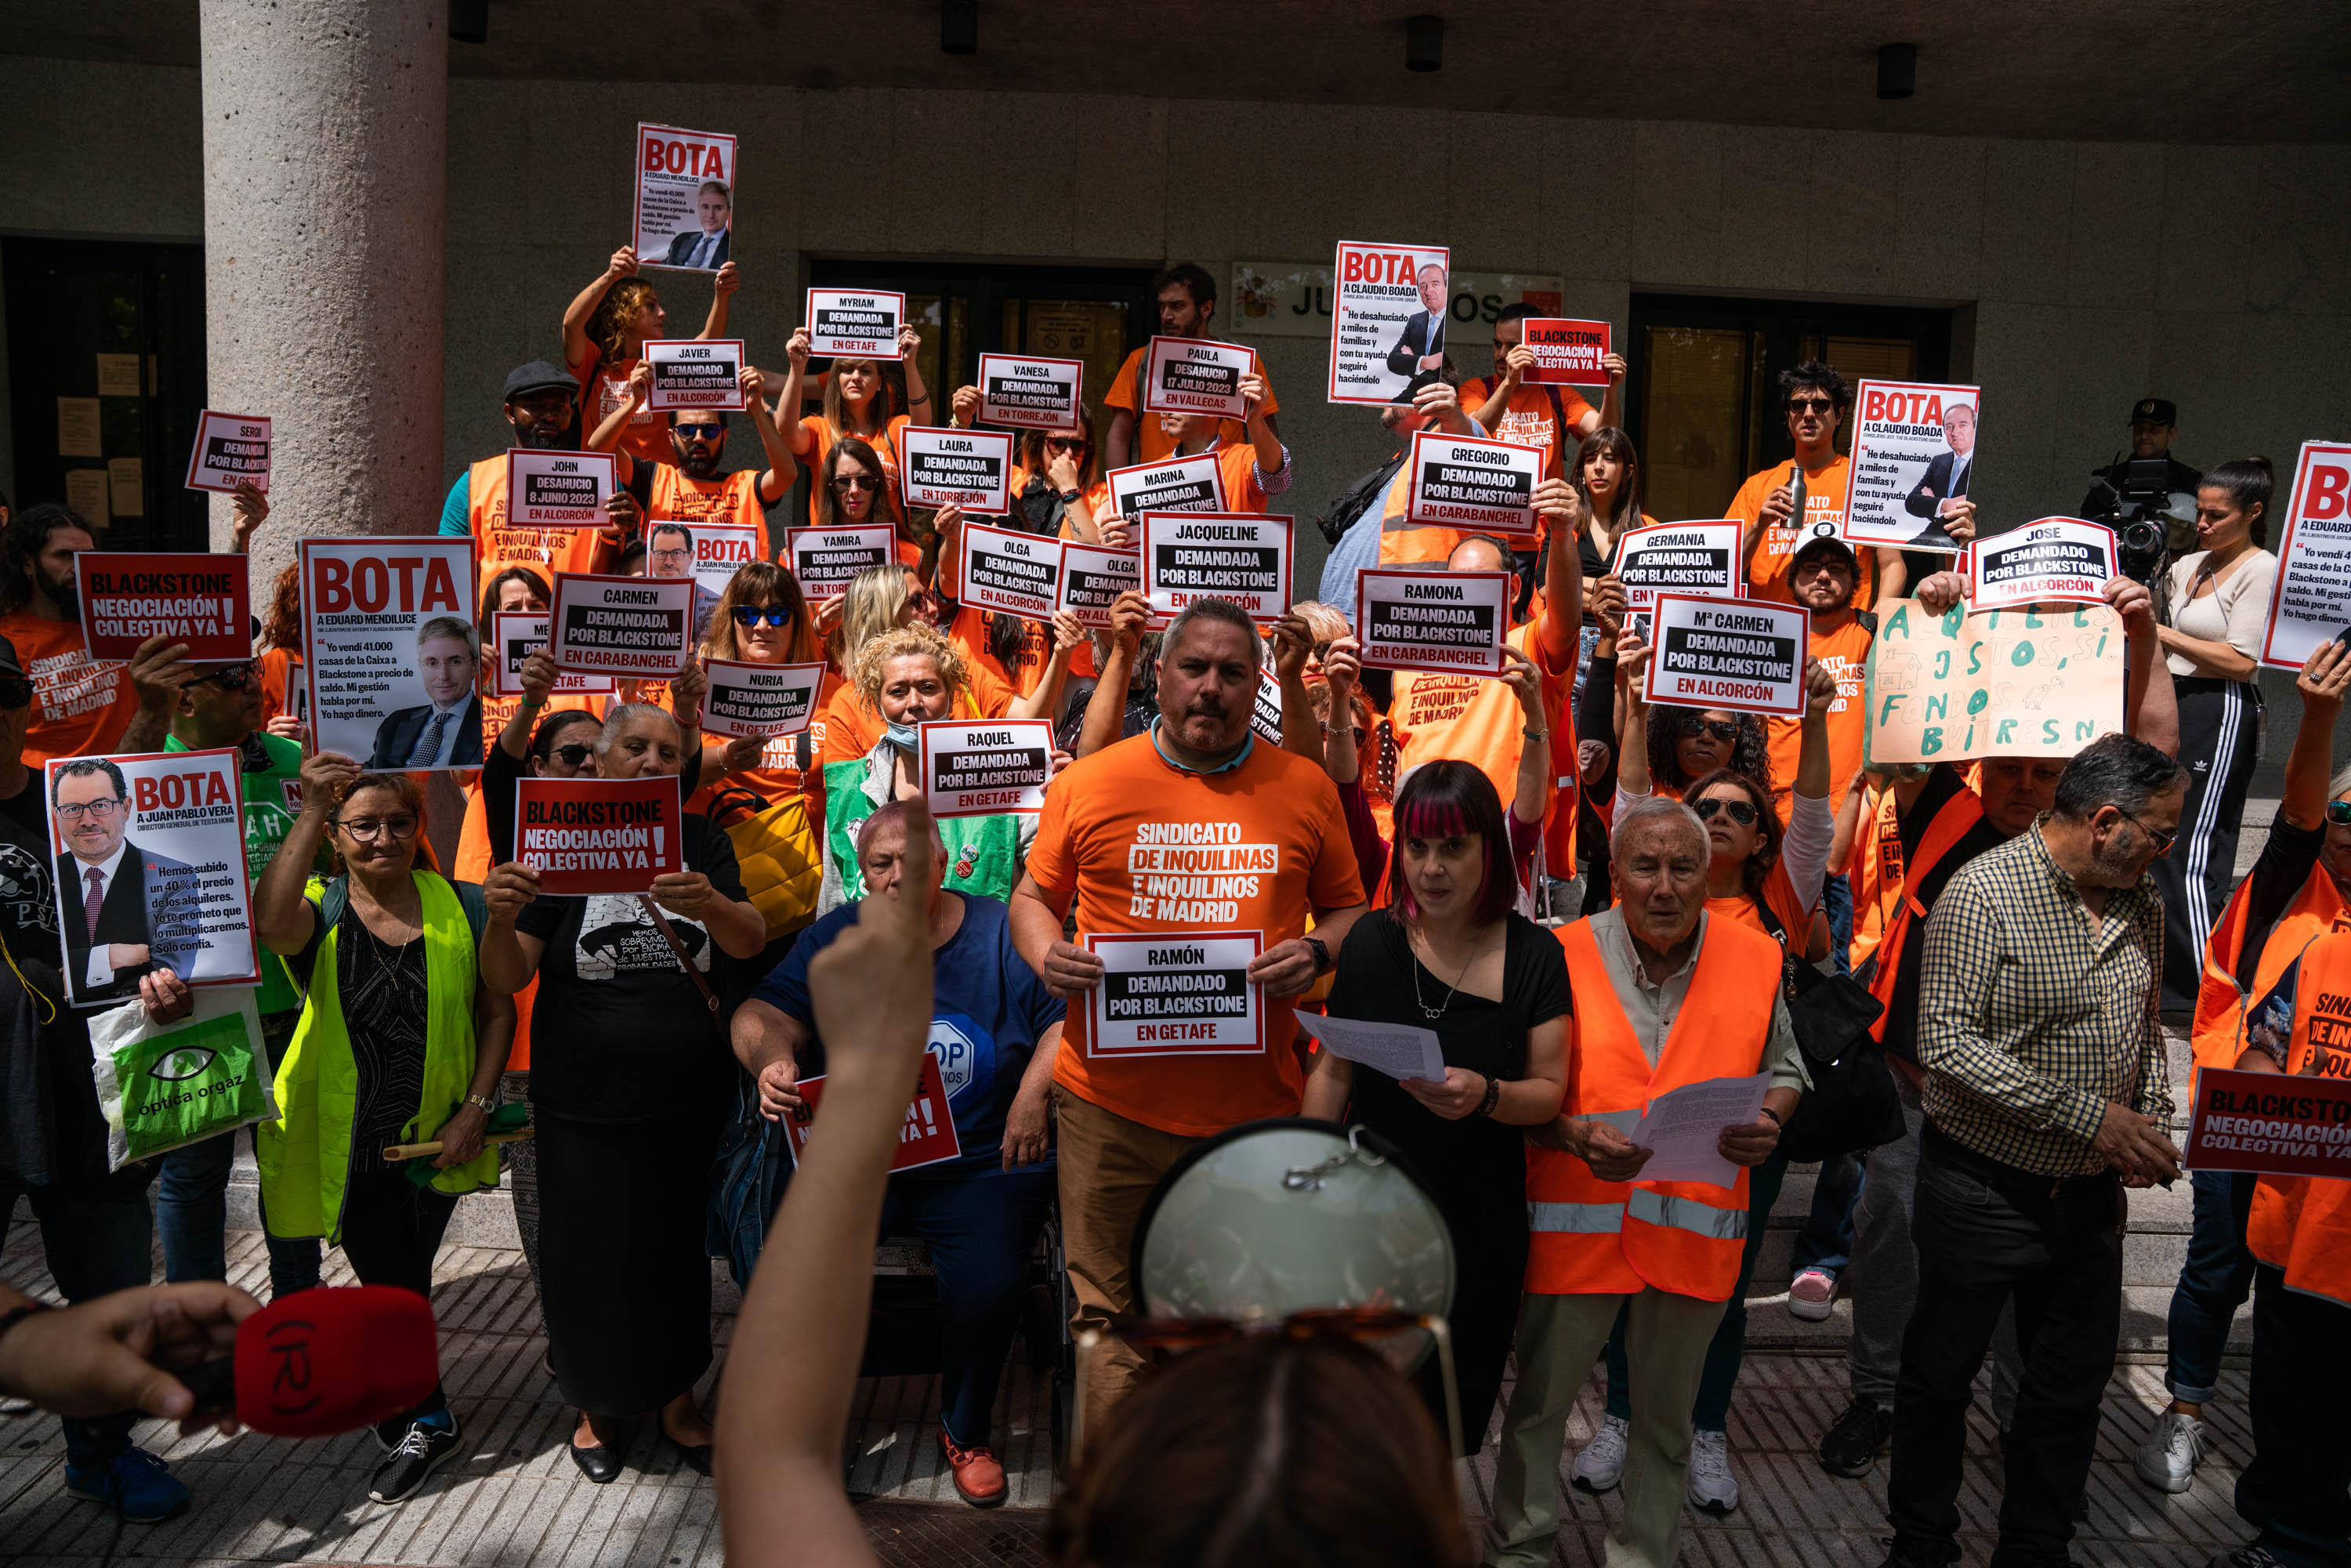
{"points": [[2276, 880], [619, 1032], [1942, 785], [51, 1131]]}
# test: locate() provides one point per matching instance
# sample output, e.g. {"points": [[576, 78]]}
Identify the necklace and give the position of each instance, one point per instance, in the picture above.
{"points": [[1433, 1013]]}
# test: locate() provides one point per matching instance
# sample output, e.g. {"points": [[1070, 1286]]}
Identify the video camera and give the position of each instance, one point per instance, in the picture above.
{"points": [[2141, 516]]}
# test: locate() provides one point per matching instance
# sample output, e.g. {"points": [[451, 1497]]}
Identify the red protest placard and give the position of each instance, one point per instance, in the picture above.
{"points": [[2297, 1126], [2311, 601], [199, 600], [1566, 353], [599, 835], [928, 1137]]}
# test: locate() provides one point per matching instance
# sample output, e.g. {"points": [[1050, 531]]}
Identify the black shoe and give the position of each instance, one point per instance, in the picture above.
{"points": [[1854, 1440], [694, 1457], [422, 1447], [601, 1465]]}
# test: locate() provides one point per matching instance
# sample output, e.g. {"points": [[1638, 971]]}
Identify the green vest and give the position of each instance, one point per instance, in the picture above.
{"points": [[268, 818], [306, 1153], [983, 853]]}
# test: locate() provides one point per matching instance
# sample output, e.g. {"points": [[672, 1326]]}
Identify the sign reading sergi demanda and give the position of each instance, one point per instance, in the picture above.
{"points": [[2006, 682], [231, 449]]}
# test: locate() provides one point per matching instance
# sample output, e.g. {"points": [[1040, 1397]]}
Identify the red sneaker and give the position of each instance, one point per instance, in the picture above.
{"points": [[978, 1474]]}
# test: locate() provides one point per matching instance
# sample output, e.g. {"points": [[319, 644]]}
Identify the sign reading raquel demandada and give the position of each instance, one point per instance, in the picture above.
{"points": [[988, 769], [1175, 993]]}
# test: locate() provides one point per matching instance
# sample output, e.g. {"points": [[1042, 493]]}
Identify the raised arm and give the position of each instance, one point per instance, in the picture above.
{"points": [[723, 284], [787, 407], [2324, 677], [1561, 627], [1293, 641], [282, 918], [1105, 721], [2150, 703], [508, 958], [781, 468], [1532, 797], [1044, 699], [607, 435], [576, 346]]}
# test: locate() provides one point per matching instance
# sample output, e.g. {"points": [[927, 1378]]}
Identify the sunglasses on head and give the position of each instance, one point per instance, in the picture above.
{"points": [[2337, 811], [1741, 811], [1721, 729], [751, 615]]}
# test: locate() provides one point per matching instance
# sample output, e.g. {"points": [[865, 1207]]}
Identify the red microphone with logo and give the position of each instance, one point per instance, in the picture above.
{"points": [[324, 1361]]}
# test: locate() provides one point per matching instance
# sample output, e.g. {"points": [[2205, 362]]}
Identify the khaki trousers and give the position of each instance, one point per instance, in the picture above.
{"points": [[1558, 1337], [1108, 1166]]}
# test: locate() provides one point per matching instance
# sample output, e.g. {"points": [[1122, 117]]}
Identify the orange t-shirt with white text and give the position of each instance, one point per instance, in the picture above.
{"points": [[1775, 554], [822, 434], [1843, 651], [1151, 442], [1527, 418], [80, 707], [1480, 721]]}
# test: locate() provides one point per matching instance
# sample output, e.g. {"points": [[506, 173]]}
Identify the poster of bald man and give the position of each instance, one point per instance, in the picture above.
{"points": [[1914, 463], [1389, 320]]}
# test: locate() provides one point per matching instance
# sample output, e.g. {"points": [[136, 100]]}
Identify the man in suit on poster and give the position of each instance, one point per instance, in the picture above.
{"points": [[1419, 351], [705, 247], [1939, 493], [127, 912]]}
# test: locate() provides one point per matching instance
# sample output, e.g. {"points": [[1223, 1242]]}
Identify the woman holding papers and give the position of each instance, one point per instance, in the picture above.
{"points": [[1449, 954]]}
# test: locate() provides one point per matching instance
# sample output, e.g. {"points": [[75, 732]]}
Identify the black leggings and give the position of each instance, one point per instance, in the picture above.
{"points": [[2220, 733], [392, 1230]]}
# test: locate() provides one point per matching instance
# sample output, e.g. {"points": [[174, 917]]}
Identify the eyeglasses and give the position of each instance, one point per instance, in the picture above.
{"points": [[855, 481], [1065, 443], [235, 678], [2162, 840], [1721, 729], [1810, 404], [751, 615], [2337, 811], [367, 830], [573, 756], [75, 813], [684, 552], [1741, 812]]}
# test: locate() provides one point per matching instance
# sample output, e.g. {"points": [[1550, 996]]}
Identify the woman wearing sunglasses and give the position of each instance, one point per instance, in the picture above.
{"points": [[854, 490], [1027, 657], [399, 1042], [509, 723], [762, 618], [859, 404], [1057, 476]]}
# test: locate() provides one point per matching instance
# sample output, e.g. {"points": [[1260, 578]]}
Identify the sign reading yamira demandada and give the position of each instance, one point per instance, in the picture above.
{"points": [[2268, 1122]]}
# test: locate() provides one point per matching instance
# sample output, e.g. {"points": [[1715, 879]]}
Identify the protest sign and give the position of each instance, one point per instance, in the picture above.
{"points": [[2005, 683], [1389, 311], [558, 489], [1265, 709], [1433, 619], [988, 769], [626, 627], [1239, 556], [855, 323], [927, 1137], [1032, 390], [2057, 561], [967, 468], [231, 448], [196, 599], [1680, 557], [1174, 484], [1914, 453], [694, 372], [1567, 353], [824, 559], [1293, 299], [1193, 375], [390, 653], [1476, 487], [1175, 993], [759, 701], [2312, 601], [1092, 577], [1741, 655], [1015, 572], [158, 842], [685, 198], [516, 635], [2274, 1122], [599, 835], [720, 551]]}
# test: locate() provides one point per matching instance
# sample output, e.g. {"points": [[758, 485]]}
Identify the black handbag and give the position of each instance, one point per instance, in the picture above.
{"points": [[1852, 1104]]}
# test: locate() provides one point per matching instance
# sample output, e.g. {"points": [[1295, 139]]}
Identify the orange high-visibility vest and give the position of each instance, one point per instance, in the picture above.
{"points": [[731, 499], [544, 551], [1877, 886], [1590, 1237], [1959, 814], [2302, 1225], [2217, 1034]]}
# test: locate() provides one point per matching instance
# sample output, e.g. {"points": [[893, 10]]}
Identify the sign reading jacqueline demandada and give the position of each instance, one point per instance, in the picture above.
{"points": [[1239, 556], [761, 700], [695, 373], [599, 835], [1433, 619], [558, 489], [824, 559], [685, 193], [1679, 557], [1030, 390], [1193, 375], [1175, 993], [199, 600], [1738, 654], [967, 468], [390, 651], [1566, 353], [2311, 601], [1007, 571], [231, 448], [1913, 455], [164, 833], [2298, 1125], [516, 635], [855, 323], [2057, 561], [1476, 487], [985, 769], [1092, 577], [927, 1137], [1177, 485], [1389, 315], [626, 627]]}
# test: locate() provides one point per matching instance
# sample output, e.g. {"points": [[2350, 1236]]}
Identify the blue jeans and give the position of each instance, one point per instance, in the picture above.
{"points": [[2214, 1281], [192, 1214], [1836, 893], [982, 1231], [1826, 1241], [95, 1247]]}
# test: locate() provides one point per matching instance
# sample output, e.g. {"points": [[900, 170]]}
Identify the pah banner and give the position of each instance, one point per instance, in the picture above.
{"points": [[231, 448], [390, 651], [1433, 619], [599, 835], [191, 598], [1913, 455], [640, 627], [2312, 601], [1390, 311], [2005, 683], [685, 198]]}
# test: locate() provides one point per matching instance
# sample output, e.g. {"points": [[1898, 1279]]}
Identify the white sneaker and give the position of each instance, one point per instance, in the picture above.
{"points": [[2166, 1460], [1811, 1295], [1601, 1464], [1712, 1488]]}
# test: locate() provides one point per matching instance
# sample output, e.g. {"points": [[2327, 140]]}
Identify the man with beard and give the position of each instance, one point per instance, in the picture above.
{"points": [[693, 489], [79, 703], [541, 403]]}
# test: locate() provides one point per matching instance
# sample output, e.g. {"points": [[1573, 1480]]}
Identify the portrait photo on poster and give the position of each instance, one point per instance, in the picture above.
{"points": [[854, 323], [1914, 459], [2310, 602], [1389, 321], [1192, 483], [390, 651], [231, 449], [151, 871], [1030, 390], [631, 627], [1236, 556], [685, 198]]}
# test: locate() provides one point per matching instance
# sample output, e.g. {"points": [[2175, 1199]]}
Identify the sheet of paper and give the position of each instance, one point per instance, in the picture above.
{"points": [[117, 375], [126, 480], [1399, 1050], [77, 430], [1683, 1126], [85, 493]]}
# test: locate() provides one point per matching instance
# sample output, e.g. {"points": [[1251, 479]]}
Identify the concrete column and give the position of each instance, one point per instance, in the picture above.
{"points": [[325, 212]]}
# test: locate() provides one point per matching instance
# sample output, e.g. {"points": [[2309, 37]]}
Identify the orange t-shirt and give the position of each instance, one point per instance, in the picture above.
{"points": [[80, 707], [1780, 894], [1527, 418], [851, 728], [968, 633], [1775, 555], [1151, 442], [731, 499], [1480, 721], [885, 448], [602, 389], [1147, 847], [776, 776], [282, 688], [1843, 651]]}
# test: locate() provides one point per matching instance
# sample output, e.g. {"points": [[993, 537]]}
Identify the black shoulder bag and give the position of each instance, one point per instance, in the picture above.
{"points": [[1852, 1104]]}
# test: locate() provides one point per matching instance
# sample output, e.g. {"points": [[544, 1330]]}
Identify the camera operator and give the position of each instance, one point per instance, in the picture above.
{"points": [[2150, 486]]}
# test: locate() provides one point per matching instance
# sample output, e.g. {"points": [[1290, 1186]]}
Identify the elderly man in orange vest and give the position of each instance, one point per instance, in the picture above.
{"points": [[1664, 996]]}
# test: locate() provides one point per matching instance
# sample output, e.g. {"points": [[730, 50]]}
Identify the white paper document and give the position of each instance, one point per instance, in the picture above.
{"points": [[1683, 1126], [1399, 1050]]}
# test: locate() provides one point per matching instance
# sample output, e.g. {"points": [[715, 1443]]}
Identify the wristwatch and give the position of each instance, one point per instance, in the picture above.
{"points": [[1493, 1097], [1322, 953]]}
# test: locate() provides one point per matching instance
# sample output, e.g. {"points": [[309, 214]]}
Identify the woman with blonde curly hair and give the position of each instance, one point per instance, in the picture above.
{"points": [[604, 332]]}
